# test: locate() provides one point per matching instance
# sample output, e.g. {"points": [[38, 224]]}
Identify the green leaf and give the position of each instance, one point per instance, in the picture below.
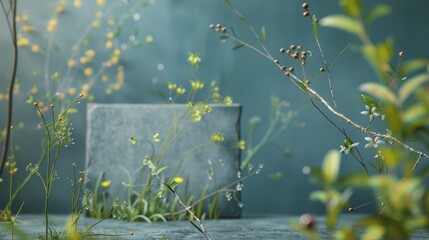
{"points": [[315, 23], [413, 113], [224, 37], [411, 85], [354, 180], [320, 196], [238, 46], [377, 12], [331, 166], [352, 7], [245, 22], [374, 232], [301, 85], [391, 156], [161, 169], [410, 66], [263, 35], [342, 22], [346, 233], [379, 91], [369, 101]]}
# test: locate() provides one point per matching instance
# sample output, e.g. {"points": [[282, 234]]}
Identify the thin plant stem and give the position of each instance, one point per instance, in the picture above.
{"points": [[12, 28]]}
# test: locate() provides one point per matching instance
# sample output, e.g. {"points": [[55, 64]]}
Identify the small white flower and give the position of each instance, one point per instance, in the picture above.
{"points": [[371, 112], [346, 147], [373, 142]]}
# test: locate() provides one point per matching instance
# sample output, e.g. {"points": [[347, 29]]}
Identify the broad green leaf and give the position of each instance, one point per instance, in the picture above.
{"points": [[263, 35], [393, 117], [377, 12], [374, 232], [353, 180], [410, 66], [315, 22], [346, 233], [321, 196], [379, 91], [391, 157], [369, 101], [352, 7], [411, 114], [238, 46], [342, 22], [331, 166], [411, 85]]}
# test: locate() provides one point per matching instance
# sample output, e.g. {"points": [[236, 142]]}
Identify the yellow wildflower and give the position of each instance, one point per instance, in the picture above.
{"points": [[155, 137], [117, 52], [52, 25], [114, 60], [108, 91], [13, 170], [101, 2], [217, 137], [90, 53], [180, 90], [104, 77], [84, 60], [77, 3], [108, 44], [88, 72], [71, 91], [241, 144], [22, 42], [196, 84], [96, 23], [228, 100], [71, 63], [111, 21], [61, 95], [34, 90], [171, 86], [35, 48], [106, 183], [85, 87], [178, 179], [194, 59], [60, 9], [99, 14], [149, 39], [110, 35], [27, 28]]}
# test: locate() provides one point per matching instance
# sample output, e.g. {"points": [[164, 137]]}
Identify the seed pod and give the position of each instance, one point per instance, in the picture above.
{"points": [[212, 26], [305, 14], [305, 5], [307, 220], [401, 54], [282, 50], [291, 69]]}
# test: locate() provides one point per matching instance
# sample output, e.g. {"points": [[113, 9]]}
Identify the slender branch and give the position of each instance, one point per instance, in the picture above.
{"points": [[11, 85], [312, 93]]}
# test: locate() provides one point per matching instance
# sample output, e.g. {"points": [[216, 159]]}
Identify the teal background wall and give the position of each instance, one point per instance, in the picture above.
{"points": [[180, 27]]}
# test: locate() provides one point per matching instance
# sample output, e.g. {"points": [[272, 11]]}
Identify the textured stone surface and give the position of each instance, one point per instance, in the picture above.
{"points": [[249, 227], [110, 153]]}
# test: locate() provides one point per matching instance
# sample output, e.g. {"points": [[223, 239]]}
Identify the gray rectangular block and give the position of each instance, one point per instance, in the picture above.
{"points": [[110, 152]]}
